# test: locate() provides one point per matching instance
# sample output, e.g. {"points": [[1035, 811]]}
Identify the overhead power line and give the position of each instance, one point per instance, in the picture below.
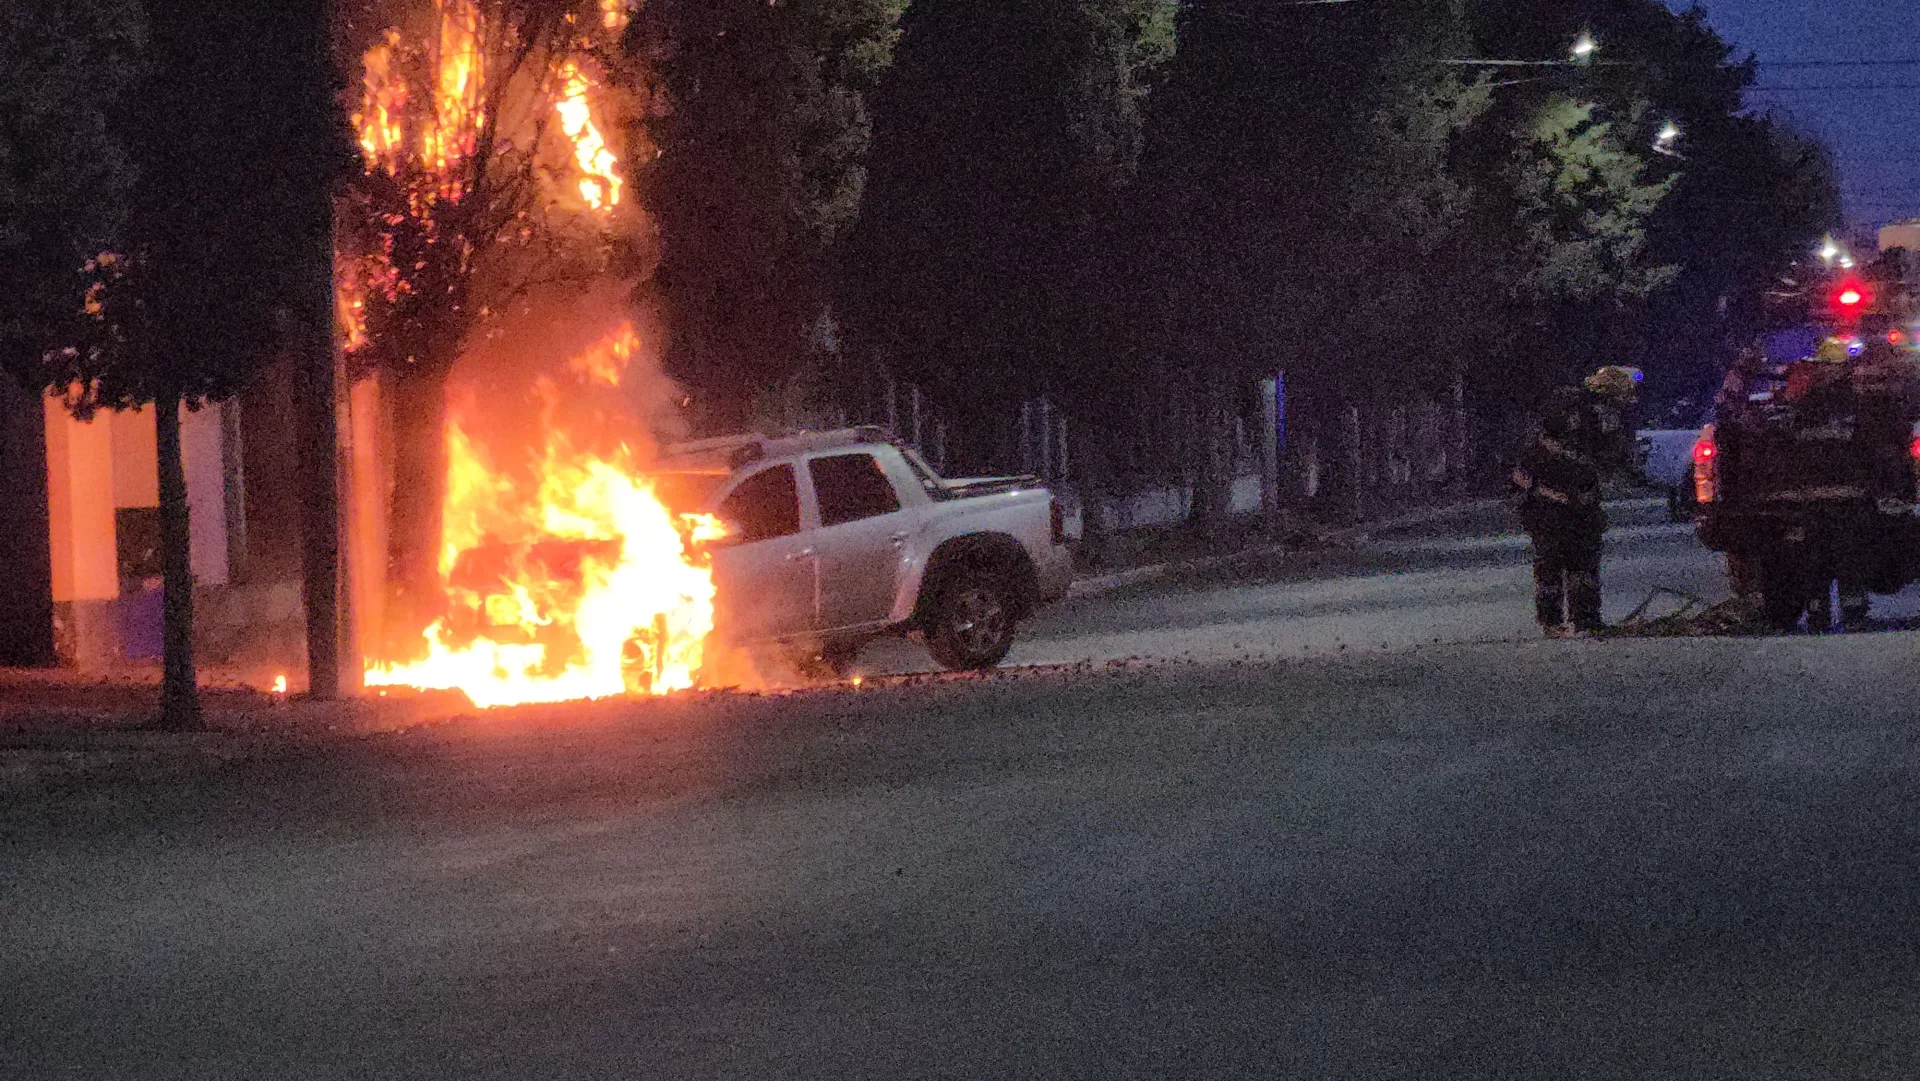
{"points": [[1835, 86], [1838, 63]]}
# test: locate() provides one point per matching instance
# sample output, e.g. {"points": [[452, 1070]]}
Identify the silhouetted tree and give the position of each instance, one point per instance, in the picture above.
{"points": [[761, 117], [1001, 134], [231, 142]]}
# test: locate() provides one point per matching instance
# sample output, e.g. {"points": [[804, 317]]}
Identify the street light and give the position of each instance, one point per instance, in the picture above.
{"points": [[1666, 139], [1829, 251], [1583, 48]]}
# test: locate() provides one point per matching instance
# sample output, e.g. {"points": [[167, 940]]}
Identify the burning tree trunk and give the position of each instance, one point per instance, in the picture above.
{"points": [[486, 174], [415, 521]]}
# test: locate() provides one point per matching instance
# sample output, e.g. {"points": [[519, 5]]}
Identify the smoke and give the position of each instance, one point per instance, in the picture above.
{"points": [[580, 359]]}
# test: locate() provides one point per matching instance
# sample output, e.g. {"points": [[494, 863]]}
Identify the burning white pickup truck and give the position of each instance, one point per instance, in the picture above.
{"points": [[836, 538]]}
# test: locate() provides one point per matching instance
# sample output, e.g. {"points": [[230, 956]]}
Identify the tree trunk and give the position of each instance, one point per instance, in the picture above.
{"points": [[415, 593], [319, 507], [1272, 423], [179, 695], [333, 667], [1213, 451], [1349, 474]]}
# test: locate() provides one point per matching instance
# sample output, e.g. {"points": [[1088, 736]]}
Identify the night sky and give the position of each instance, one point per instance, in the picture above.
{"points": [[1874, 126]]}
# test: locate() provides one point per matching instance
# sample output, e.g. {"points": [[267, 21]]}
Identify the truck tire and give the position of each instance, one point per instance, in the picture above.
{"points": [[1783, 597], [969, 624], [839, 656], [1743, 580]]}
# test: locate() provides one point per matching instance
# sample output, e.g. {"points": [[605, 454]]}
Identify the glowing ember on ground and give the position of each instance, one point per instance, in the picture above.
{"points": [[279, 684], [576, 582]]}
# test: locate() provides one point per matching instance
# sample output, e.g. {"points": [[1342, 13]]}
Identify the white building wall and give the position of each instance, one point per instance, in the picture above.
{"points": [[1904, 234], [201, 445]]}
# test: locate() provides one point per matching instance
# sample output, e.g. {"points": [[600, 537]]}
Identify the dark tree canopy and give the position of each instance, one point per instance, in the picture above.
{"points": [[1749, 196], [65, 174], [227, 144], [761, 119], [1002, 135]]}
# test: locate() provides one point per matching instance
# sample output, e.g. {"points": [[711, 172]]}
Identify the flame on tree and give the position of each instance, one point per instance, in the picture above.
{"points": [[484, 130]]}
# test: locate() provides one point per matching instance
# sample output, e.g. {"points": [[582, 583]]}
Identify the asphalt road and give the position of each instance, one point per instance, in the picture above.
{"points": [[1250, 853], [1459, 579]]}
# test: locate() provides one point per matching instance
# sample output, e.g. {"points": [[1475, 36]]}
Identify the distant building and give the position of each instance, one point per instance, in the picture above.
{"points": [[1903, 234], [80, 501]]}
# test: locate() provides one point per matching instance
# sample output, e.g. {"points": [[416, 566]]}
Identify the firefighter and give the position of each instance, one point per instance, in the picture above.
{"points": [[1581, 436], [1824, 392]]}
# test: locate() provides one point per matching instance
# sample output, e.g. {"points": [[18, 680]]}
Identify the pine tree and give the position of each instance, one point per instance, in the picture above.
{"points": [[760, 112]]}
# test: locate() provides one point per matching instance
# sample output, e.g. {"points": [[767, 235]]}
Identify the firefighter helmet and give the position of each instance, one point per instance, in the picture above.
{"points": [[1615, 381], [1833, 351]]}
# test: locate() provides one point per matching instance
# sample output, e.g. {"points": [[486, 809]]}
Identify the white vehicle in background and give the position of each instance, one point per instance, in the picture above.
{"points": [[1666, 457], [836, 538]]}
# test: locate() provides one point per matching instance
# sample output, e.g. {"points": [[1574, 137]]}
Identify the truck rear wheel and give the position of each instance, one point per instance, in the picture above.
{"points": [[1783, 596], [970, 623]]}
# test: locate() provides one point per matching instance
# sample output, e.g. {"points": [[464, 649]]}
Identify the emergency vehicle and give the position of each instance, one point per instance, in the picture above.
{"points": [[1807, 475]]}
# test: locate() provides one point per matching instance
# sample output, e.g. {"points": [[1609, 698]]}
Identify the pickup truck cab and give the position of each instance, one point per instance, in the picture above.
{"points": [[836, 538]]}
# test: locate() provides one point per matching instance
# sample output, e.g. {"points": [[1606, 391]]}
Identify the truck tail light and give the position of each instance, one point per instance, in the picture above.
{"points": [[1913, 456], [1706, 467], [1057, 519]]}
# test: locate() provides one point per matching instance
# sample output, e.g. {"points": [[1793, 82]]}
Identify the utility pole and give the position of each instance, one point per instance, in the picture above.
{"points": [[331, 671]]}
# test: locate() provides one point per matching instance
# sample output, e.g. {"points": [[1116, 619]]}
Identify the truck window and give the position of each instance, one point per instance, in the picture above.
{"points": [[851, 487], [765, 505]]}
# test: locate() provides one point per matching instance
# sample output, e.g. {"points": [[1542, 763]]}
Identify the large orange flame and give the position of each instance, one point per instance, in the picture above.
{"points": [[565, 576], [384, 95], [577, 582], [600, 187], [458, 115], [449, 132]]}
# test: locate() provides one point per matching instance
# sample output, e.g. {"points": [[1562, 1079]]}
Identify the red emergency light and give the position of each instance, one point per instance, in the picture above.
{"points": [[1850, 300]]}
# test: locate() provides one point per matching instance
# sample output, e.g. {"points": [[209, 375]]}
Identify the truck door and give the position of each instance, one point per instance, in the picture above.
{"points": [[863, 534], [764, 572]]}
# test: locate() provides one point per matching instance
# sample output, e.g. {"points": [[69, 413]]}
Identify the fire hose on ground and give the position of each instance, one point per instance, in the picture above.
{"points": [[1689, 615]]}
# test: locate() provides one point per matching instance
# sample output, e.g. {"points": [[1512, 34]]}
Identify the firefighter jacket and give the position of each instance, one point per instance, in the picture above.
{"points": [[1575, 443]]}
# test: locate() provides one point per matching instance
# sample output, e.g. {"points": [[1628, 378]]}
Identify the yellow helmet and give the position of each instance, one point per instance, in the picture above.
{"points": [[1615, 381]]}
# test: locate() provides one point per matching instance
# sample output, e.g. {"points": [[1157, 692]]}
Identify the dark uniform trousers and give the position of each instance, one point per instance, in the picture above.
{"points": [[1566, 570]]}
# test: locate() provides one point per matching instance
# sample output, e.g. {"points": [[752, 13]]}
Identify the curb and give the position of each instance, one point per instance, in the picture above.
{"points": [[1356, 534], [1107, 583]]}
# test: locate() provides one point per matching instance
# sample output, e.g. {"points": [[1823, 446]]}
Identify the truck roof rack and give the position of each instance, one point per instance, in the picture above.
{"points": [[738, 450]]}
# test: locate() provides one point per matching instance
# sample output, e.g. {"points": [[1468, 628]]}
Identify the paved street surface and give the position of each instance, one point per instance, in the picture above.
{"points": [[1340, 817]]}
